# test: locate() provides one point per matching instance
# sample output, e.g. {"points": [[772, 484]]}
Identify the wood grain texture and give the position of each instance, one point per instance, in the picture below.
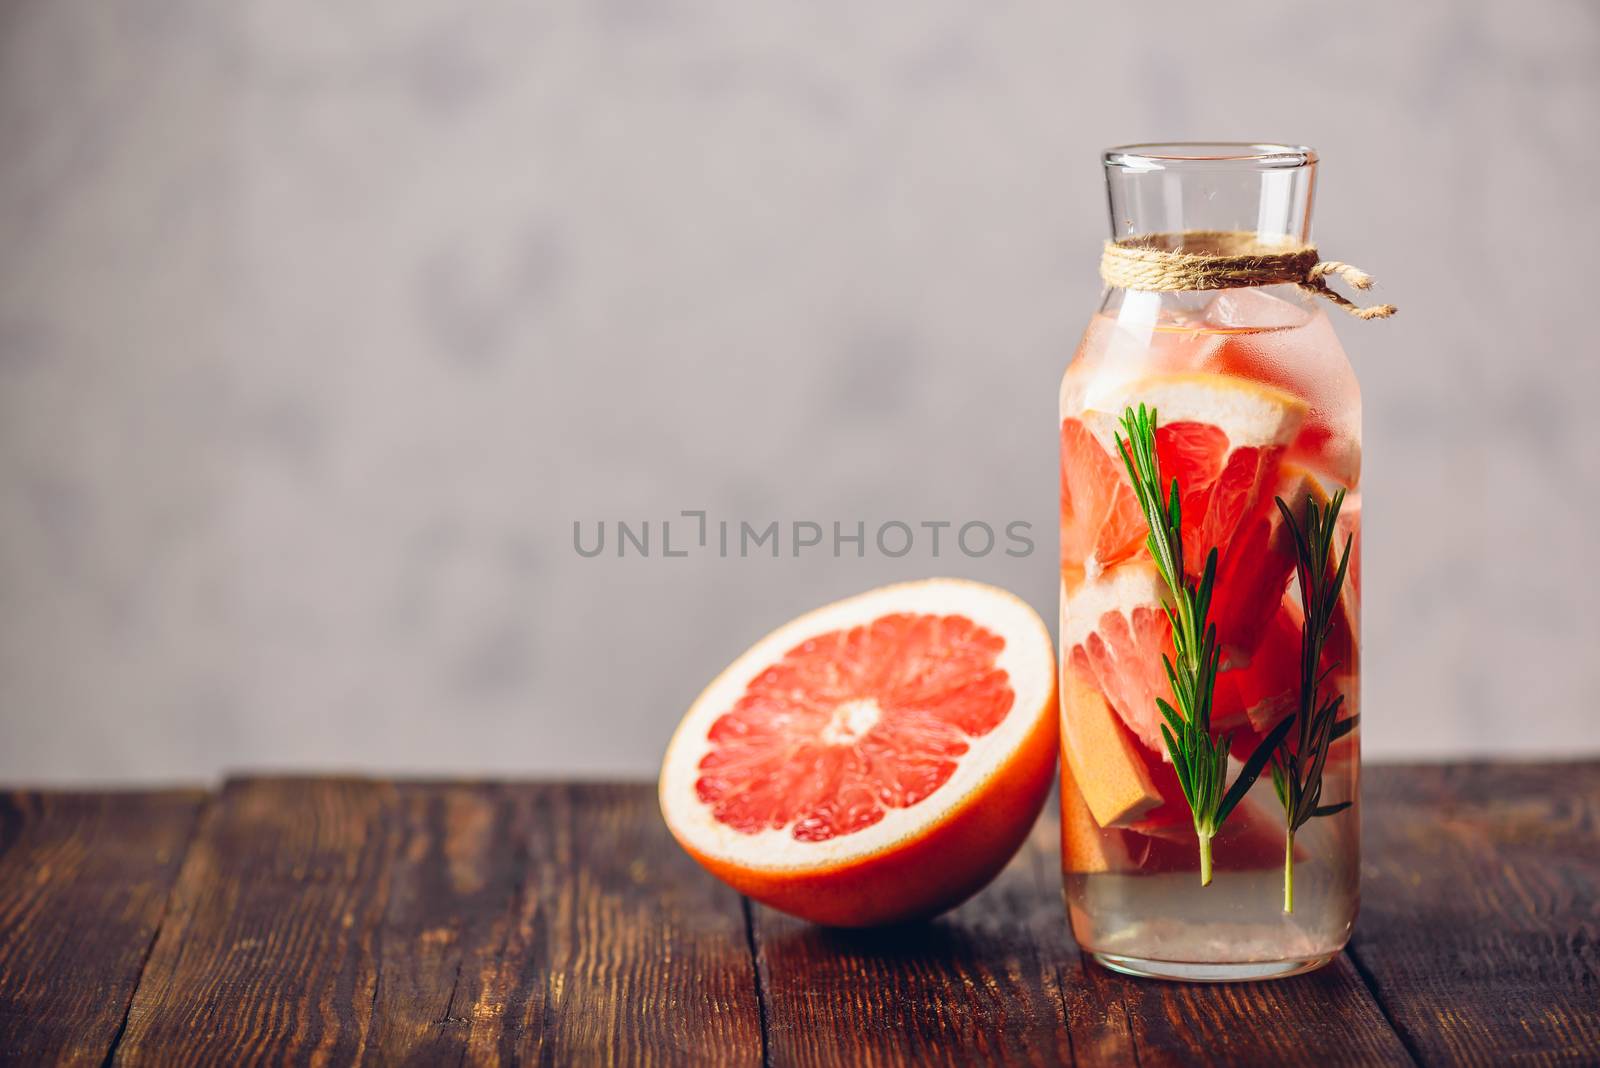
{"points": [[83, 884], [1480, 916], [652, 963], [350, 921], [976, 986], [329, 921], [558, 925], [456, 973], [1000, 981], [1326, 1018], [269, 950]]}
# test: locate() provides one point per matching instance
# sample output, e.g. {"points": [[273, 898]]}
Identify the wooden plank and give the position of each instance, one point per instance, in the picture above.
{"points": [[347, 921], [1480, 915], [459, 924], [84, 879], [340, 920], [648, 955], [974, 987], [1000, 980], [1326, 1018], [558, 924], [268, 952]]}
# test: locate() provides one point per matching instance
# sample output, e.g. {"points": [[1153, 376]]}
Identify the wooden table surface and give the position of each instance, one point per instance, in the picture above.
{"points": [[341, 921]]}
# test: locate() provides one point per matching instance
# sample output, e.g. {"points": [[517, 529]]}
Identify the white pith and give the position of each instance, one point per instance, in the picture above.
{"points": [[850, 721], [1122, 589], [1250, 413], [1028, 660]]}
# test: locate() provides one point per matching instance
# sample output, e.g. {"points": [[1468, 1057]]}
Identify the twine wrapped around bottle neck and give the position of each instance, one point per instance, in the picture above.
{"points": [[1228, 259]]}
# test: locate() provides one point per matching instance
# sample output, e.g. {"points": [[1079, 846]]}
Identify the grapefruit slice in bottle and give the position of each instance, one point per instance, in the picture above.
{"points": [[1251, 839], [1112, 775], [1114, 632], [1254, 568], [1221, 438], [877, 760]]}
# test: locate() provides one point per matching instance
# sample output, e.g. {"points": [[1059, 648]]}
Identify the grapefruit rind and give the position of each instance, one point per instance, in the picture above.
{"points": [[1027, 658], [1251, 414], [1106, 624], [1085, 850], [1134, 584], [1107, 768]]}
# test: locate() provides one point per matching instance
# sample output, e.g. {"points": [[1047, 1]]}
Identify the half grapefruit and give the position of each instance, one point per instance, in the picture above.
{"points": [[877, 760]]}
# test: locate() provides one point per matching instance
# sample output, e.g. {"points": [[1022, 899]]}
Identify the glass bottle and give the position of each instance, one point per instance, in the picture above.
{"points": [[1254, 400]]}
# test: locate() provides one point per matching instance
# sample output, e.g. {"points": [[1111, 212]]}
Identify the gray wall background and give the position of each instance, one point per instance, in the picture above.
{"points": [[320, 325]]}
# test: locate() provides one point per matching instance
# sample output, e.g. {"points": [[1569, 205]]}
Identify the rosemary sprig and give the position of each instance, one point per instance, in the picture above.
{"points": [[1297, 773], [1200, 759]]}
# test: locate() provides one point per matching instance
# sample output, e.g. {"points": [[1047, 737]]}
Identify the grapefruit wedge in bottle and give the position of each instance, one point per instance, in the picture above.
{"points": [[1253, 401], [874, 761]]}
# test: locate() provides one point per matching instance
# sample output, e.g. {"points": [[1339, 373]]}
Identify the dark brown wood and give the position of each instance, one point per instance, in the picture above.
{"points": [[269, 950], [1480, 916], [462, 926], [653, 964], [345, 921], [1326, 1018], [422, 923], [1000, 981], [558, 925], [974, 987], [83, 884]]}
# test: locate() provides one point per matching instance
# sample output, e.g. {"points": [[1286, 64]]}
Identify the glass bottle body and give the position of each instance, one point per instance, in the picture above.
{"points": [[1255, 400]]}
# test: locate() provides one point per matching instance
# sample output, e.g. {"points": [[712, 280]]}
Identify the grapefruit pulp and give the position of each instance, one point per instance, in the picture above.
{"points": [[1252, 839], [1221, 438], [1114, 776], [1114, 634], [877, 760]]}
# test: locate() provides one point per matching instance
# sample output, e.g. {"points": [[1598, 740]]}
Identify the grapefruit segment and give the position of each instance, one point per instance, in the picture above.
{"points": [[1222, 440], [1100, 520], [874, 760], [1087, 847], [1115, 631], [1084, 846], [1110, 771], [1267, 688], [1250, 840], [1254, 569], [1252, 415]]}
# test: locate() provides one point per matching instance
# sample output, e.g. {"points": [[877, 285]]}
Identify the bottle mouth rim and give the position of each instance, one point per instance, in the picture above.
{"points": [[1178, 155]]}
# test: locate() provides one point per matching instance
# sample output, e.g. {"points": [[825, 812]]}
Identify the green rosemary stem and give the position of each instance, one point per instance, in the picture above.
{"points": [[1288, 872], [1297, 773], [1200, 759]]}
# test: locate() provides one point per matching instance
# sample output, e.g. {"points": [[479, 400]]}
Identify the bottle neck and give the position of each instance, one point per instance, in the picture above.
{"points": [[1169, 189]]}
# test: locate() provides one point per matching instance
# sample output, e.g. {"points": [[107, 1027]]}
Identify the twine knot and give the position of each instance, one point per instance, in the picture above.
{"points": [[1229, 259]]}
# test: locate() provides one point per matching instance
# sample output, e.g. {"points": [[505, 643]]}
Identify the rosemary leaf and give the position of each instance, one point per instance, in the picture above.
{"points": [[1200, 759], [1297, 771]]}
